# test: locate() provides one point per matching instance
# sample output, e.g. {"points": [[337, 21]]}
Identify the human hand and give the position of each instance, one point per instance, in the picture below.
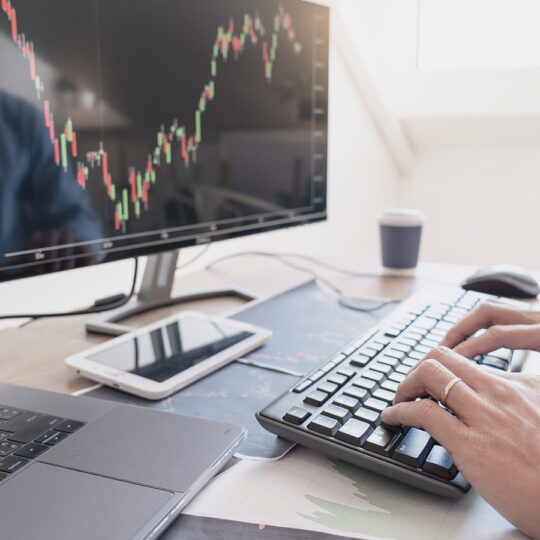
{"points": [[506, 325], [494, 437]]}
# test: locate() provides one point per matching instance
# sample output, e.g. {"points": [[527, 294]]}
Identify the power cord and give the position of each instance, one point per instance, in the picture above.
{"points": [[195, 258], [355, 304], [101, 305]]}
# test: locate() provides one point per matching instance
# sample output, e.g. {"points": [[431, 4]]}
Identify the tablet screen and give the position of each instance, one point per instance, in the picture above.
{"points": [[170, 349]]}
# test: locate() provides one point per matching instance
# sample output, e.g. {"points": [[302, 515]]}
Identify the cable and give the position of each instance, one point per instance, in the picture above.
{"points": [[99, 306], [318, 262], [345, 302], [195, 258]]}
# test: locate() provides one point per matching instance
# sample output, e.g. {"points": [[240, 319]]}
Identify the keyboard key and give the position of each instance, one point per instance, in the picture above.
{"points": [[422, 349], [403, 369], [393, 332], [325, 425], [316, 398], [414, 335], [354, 432], [436, 334], [45, 436], [69, 426], [7, 447], [494, 362], [317, 375], [414, 447], [329, 366], [384, 395], [390, 385], [31, 450], [382, 341], [425, 323], [444, 326], [407, 342], [394, 353], [452, 319], [359, 360], [374, 375], [55, 439], [32, 426], [4, 435], [429, 343], [440, 463], [7, 413], [383, 440], [410, 362], [347, 402], [340, 380], [356, 392], [11, 464], [338, 359], [503, 354], [375, 345], [401, 347], [296, 415], [339, 413], [328, 387], [367, 351], [375, 404], [350, 349], [416, 355], [368, 384], [346, 372], [300, 387], [397, 377], [373, 418], [388, 360], [383, 368]]}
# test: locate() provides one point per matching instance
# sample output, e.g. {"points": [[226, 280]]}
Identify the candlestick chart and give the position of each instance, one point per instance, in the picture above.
{"points": [[173, 139]]}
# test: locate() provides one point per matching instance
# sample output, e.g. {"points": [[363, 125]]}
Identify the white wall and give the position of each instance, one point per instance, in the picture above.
{"points": [[482, 204]]}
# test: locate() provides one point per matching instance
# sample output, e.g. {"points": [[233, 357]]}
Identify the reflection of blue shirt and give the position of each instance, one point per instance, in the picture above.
{"points": [[36, 194]]}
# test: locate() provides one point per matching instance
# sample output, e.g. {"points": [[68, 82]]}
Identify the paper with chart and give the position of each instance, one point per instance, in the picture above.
{"points": [[307, 490]]}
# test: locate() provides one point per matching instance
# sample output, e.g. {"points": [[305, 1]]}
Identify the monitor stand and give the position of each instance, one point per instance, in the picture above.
{"points": [[156, 292]]}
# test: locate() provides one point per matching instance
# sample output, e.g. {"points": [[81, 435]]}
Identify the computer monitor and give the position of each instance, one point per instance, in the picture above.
{"points": [[137, 127]]}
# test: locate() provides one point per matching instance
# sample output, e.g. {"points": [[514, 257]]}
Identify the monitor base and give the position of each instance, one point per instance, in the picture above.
{"points": [[156, 292]]}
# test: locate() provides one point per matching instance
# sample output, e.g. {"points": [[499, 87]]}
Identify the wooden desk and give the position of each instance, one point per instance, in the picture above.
{"points": [[34, 354]]}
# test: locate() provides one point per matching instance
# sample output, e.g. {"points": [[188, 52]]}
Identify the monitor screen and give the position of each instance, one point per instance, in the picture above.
{"points": [[133, 127]]}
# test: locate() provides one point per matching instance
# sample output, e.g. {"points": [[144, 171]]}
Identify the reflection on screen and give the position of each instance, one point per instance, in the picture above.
{"points": [[171, 349]]}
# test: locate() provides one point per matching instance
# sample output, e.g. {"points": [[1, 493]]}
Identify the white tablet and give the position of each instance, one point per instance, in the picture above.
{"points": [[159, 359]]}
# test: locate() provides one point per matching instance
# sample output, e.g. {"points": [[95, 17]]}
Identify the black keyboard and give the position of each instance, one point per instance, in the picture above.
{"points": [[25, 435], [336, 409]]}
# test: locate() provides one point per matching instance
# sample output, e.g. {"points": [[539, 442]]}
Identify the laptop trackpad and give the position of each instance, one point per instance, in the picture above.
{"points": [[44, 501]]}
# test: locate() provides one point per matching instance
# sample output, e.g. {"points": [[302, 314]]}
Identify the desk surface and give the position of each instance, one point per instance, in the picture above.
{"points": [[34, 356]]}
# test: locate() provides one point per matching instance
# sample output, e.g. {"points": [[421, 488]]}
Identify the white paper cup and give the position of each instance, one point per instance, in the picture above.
{"points": [[401, 231]]}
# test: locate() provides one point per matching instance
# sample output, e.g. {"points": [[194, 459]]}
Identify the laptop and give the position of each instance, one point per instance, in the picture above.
{"points": [[77, 467]]}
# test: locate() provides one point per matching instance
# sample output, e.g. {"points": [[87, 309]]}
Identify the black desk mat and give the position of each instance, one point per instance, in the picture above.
{"points": [[309, 325]]}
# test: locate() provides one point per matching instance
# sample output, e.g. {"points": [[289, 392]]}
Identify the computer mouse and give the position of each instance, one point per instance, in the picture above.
{"points": [[503, 280]]}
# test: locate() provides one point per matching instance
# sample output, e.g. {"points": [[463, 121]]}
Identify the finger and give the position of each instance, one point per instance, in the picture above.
{"points": [[462, 367], [430, 379], [523, 336], [427, 415], [487, 314]]}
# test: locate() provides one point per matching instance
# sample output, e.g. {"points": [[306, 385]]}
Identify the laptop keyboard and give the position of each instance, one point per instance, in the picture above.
{"points": [[26, 435], [337, 408]]}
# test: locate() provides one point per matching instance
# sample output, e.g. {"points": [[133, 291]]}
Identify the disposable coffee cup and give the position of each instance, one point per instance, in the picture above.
{"points": [[401, 230]]}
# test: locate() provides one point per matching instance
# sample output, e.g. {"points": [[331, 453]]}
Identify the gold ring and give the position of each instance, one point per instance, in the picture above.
{"points": [[447, 389]]}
